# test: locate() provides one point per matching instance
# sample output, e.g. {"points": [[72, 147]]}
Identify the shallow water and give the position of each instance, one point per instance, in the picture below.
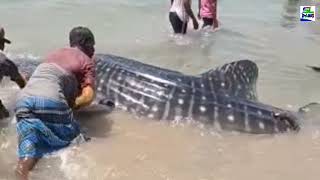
{"points": [[122, 147]]}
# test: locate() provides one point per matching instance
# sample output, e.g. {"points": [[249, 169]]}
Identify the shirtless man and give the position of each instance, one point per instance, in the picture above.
{"points": [[180, 12]]}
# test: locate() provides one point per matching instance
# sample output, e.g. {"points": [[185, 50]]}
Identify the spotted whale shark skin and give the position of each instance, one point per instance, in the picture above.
{"points": [[224, 97], [236, 78]]}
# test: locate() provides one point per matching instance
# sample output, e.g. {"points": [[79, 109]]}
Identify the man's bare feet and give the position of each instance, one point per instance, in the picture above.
{"points": [[19, 175], [24, 167]]}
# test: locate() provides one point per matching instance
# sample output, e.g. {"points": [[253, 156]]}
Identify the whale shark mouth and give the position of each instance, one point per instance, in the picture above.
{"points": [[224, 97]]}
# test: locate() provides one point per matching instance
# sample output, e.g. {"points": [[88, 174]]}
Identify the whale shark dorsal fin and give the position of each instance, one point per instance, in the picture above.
{"points": [[237, 78]]}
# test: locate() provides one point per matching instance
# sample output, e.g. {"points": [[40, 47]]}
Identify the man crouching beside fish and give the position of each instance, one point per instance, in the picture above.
{"points": [[44, 108]]}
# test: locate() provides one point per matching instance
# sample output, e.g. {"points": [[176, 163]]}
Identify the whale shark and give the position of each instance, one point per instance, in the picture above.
{"points": [[224, 97]]}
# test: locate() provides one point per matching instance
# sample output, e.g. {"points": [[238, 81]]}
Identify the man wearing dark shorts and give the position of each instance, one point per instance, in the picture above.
{"points": [[8, 68], [180, 12]]}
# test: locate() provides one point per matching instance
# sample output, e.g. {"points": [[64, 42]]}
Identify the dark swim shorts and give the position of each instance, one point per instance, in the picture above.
{"points": [[177, 24]]}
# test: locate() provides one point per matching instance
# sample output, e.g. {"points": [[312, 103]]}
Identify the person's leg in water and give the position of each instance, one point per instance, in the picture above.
{"points": [[25, 165], [28, 145], [176, 23], [207, 22], [215, 20], [41, 133]]}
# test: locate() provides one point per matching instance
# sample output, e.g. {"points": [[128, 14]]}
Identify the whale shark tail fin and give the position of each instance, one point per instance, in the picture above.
{"points": [[315, 68], [236, 78], [311, 107]]}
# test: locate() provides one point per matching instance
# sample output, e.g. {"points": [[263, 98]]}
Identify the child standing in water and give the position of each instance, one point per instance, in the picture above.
{"points": [[208, 13], [180, 12]]}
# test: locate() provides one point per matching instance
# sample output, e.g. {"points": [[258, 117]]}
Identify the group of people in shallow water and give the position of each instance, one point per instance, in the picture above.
{"points": [[181, 11], [64, 82]]}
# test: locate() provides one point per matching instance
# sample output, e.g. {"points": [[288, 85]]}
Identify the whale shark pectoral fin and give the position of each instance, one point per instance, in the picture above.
{"points": [[238, 78], [101, 106], [94, 109]]}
